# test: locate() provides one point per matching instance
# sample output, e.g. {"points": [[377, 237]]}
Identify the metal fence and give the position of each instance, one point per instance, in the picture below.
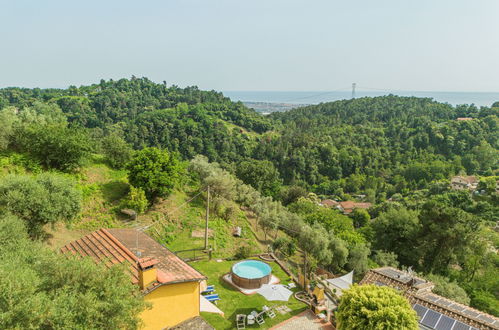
{"points": [[193, 254]]}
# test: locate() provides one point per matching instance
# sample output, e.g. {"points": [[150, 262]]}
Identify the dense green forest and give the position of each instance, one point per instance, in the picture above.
{"points": [[398, 153], [385, 145]]}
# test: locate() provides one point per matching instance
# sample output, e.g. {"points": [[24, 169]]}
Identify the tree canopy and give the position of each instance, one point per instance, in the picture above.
{"points": [[44, 290], [45, 199], [155, 171], [374, 307]]}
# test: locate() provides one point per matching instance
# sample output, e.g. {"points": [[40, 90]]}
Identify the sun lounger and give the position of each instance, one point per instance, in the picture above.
{"points": [[209, 289], [290, 285], [212, 298], [240, 321]]}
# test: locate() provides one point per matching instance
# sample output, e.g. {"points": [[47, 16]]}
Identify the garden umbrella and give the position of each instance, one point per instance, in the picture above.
{"points": [[275, 292]]}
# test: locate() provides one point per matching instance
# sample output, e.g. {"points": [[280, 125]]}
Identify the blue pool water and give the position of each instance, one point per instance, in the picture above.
{"points": [[251, 269]]}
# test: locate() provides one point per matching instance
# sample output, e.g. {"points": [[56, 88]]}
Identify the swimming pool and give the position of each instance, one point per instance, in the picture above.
{"points": [[251, 274]]}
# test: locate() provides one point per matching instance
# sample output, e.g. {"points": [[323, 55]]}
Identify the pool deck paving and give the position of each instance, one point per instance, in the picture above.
{"points": [[306, 320]]}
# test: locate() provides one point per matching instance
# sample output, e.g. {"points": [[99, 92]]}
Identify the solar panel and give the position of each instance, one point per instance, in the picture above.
{"points": [[391, 273], [445, 323], [432, 297], [420, 310], [460, 326], [471, 313], [431, 318], [486, 319], [445, 302], [457, 307]]}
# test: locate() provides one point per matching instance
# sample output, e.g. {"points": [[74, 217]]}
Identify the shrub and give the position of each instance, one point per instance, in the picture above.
{"points": [[372, 307], [118, 153], [284, 245], [135, 200], [243, 252], [55, 146]]}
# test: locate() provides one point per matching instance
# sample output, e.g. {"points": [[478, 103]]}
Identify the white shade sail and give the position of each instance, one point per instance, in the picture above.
{"points": [[342, 282]]}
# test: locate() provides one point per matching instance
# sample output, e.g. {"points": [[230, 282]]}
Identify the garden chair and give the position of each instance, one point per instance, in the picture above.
{"points": [[269, 311], [240, 321], [259, 318]]}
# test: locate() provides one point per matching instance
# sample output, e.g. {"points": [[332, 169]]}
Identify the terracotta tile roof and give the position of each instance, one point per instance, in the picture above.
{"points": [[362, 205], [147, 262], [347, 205], [329, 203], [174, 268], [114, 246], [103, 248]]}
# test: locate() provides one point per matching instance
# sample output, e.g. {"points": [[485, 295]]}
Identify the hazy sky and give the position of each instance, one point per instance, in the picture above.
{"points": [[439, 45]]}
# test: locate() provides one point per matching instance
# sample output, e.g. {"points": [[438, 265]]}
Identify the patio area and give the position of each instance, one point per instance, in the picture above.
{"points": [[304, 321], [233, 302]]}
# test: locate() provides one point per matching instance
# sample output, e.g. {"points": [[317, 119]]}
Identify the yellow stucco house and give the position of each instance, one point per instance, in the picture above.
{"points": [[168, 283]]}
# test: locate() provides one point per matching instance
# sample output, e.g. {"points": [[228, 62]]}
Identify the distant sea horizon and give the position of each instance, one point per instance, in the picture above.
{"points": [[315, 97]]}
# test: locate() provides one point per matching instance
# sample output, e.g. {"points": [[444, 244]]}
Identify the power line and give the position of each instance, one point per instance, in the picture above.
{"points": [[183, 204], [382, 89], [171, 212]]}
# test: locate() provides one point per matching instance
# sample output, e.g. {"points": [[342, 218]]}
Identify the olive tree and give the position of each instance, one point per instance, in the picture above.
{"points": [[38, 201]]}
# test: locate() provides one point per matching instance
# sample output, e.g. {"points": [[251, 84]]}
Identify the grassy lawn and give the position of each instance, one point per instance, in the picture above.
{"points": [[234, 302]]}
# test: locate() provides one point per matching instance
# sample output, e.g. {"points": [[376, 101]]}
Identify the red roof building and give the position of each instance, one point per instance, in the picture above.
{"points": [[329, 203], [115, 246], [347, 207], [171, 286]]}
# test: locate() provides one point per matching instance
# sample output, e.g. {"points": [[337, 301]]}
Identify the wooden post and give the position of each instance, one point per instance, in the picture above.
{"points": [[207, 217], [305, 271]]}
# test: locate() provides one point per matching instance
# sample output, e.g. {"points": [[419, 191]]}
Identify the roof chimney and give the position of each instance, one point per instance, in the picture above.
{"points": [[147, 272]]}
